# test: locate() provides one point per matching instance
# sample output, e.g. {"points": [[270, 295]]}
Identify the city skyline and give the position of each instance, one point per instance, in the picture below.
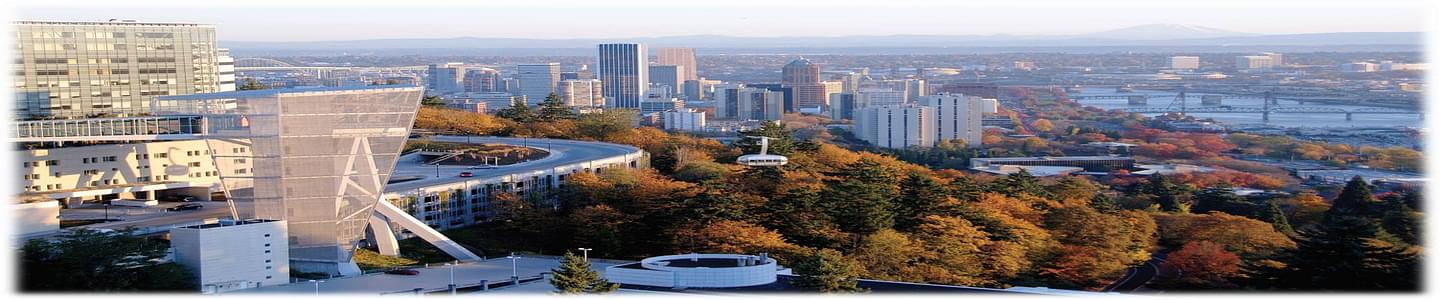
{"points": [[273, 21]]}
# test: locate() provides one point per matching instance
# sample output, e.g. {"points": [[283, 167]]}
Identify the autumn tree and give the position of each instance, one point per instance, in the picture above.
{"points": [[1019, 183], [1203, 265], [1042, 125]]}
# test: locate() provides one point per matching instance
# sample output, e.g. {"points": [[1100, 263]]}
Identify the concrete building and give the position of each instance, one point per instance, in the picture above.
{"points": [[686, 119], [803, 76], [1276, 59], [753, 104], [683, 57], [896, 126], [153, 170], [226, 65], [696, 270], [879, 97], [492, 100], [75, 69], [653, 106], [582, 93], [1394, 66], [234, 255], [1098, 164], [537, 81], [36, 218], [1359, 67], [444, 79], [787, 102], [914, 89], [842, 106], [957, 116], [700, 90], [623, 70], [1184, 62], [482, 80], [320, 157], [1254, 62], [671, 76]]}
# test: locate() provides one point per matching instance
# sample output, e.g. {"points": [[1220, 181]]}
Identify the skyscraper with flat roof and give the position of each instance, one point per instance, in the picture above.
{"points": [[804, 77], [683, 57], [668, 75], [623, 70], [444, 79], [1184, 62], [90, 69], [537, 81]]}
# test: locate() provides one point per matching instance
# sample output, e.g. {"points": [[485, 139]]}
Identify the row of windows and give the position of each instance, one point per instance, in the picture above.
{"points": [[99, 35], [87, 160], [75, 61], [31, 164], [97, 47]]}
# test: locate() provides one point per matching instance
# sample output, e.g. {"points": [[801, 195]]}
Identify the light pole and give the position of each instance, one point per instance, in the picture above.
{"points": [[107, 211], [452, 278], [586, 252], [514, 267], [317, 286]]}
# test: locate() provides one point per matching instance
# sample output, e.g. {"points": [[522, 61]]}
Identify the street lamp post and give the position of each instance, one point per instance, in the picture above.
{"points": [[107, 211], [452, 278], [586, 252], [317, 286], [514, 267]]}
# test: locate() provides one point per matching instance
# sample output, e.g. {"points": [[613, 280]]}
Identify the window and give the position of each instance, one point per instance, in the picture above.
{"points": [[195, 164], [162, 155], [267, 245], [109, 158], [52, 162]]}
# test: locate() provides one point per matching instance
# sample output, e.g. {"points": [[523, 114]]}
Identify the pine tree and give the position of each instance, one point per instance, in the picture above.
{"points": [[828, 271], [574, 276], [1103, 202], [552, 109], [1345, 253], [920, 196], [1354, 199], [1020, 183], [1276, 217], [1166, 193], [861, 200], [781, 140], [1400, 220], [965, 189], [518, 112]]}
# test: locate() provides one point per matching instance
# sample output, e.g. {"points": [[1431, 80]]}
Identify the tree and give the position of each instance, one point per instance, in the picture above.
{"points": [[1203, 265], [251, 84], [518, 112], [1042, 125], [1354, 199], [574, 276], [1019, 183], [432, 101], [781, 140], [605, 123], [920, 196], [552, 109], [1346, 253], [861, 199], [1166, 193], [1104, 203], [93, 261], [1276, 217], [1401, 220], [827, 271]]}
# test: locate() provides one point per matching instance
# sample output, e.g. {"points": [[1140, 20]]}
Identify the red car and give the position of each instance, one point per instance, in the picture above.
{"points": [[403, 272], [467, 174]]}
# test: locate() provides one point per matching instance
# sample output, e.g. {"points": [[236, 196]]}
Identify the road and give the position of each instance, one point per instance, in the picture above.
{"points": [[562, 152], [155, 217], [1136, 277], [434, 277]]}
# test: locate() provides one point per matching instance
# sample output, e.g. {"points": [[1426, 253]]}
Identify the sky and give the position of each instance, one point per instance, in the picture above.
{"points": [[279, 21]]}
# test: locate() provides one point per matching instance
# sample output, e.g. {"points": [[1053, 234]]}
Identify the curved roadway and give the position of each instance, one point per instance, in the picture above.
{"points": [[562, 152]]}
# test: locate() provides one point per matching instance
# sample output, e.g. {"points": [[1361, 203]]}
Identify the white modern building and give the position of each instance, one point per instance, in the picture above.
{"points": [[623, 70], [581, 93], [879, 97], [1184, 62], [36, 218], [234, 255], [149, 170], [697, 270], [1276, 59], [537, 81], [914, 89], [957, 116], [1359, 67], [442, 79], [1254, 62], [896, 126], [746, 103], [687, 119]]}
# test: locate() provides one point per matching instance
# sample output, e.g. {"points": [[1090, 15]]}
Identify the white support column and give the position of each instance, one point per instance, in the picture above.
{"points": [[383, 236], [424, 231]]}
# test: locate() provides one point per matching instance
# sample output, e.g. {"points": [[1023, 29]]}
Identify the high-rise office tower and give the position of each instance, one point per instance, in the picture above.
{"points": [[878, 97], [537, 81], [668, 75], [842, 106], [581, 93], [91, 69], [804, 77], [758, 104], [317, 158], [482, 80], [1276, 59], [226, 64], [1254, 62], [623, 71], [683, 57], [444, 79], [1184, 62], [914, 89]]}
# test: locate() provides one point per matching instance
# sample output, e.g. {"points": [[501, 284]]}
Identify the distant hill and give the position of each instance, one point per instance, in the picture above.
{"points": [[1145, 35]]}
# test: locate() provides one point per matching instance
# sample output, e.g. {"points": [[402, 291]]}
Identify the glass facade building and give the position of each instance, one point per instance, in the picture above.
{"points": [[72, 70], [318, 158], [623, 70]]}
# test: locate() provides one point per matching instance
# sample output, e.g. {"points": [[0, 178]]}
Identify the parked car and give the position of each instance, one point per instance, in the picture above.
{"points": [[134, 202], [407, 272], [181, 199], [467, 174], [186, 206]]}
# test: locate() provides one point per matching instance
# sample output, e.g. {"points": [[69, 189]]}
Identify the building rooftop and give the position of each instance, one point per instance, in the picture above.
{"points": [[272, 92], [112, 22]]}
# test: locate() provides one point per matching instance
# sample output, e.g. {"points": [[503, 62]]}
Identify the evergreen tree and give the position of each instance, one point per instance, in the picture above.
{"points": [[518, 112], [432, 101], [1166, 193], [1400, 220], [862, 198], [965, 189], [1345, 253], [552, 109], [1276, 217], [1103, 202], [781, 140], [1354, 199], [1020, 183], [574, 276], [828, 271], [920, 196], [1223, 199], [799, 215]]}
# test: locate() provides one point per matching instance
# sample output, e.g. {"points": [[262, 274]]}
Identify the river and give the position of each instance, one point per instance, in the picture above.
{"points": [[1281, 119]]}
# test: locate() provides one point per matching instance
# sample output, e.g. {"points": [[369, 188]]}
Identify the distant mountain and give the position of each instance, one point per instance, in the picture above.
{"points": [[1144, 35], [1164, 32]]}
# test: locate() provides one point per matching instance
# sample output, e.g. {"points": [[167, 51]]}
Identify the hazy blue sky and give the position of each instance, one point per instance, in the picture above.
{"points": [[278, 21]]}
